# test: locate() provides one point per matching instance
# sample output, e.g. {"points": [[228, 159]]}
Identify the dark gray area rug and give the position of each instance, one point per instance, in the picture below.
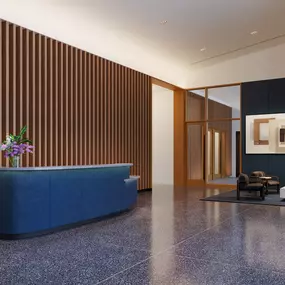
{"points": [[272, 199]]}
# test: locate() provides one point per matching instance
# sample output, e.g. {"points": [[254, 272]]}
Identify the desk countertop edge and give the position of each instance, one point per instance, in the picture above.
{"points": [[69, 167]]}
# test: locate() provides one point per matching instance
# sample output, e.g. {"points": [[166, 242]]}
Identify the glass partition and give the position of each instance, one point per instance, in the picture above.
{"points": [[224, 103]]}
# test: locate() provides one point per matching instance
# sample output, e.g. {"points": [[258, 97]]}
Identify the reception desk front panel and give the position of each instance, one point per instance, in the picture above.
{"points": [[35, 200]]}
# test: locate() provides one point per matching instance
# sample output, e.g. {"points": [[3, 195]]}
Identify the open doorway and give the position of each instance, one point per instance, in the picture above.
{"points": [[224, 120]]}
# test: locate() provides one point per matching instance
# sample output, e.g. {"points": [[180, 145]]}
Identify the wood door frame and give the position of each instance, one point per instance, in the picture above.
{"points": [[238, 151], [180, 140], [224, 153]]}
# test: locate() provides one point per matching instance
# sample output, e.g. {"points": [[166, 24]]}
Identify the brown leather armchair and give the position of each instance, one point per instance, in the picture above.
{"points": [[273, 182], [249, 184]]}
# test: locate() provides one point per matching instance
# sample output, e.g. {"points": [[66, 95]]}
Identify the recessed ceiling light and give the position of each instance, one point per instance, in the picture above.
{"points": [[203, 49], [254, 33], [163, 22]]}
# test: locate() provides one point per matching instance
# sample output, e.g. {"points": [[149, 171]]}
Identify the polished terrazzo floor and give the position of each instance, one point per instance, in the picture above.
{"points": [[169, 238]]}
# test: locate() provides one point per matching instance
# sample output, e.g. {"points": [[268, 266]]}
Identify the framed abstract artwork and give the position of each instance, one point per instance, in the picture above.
{"points": [[265, 133]]}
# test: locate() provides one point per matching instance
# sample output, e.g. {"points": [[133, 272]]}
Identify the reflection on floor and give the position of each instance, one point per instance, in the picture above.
{"points": [[169, 238], [227, 181]]}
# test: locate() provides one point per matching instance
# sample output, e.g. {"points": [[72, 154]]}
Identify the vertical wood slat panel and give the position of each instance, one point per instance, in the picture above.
{"points": [[142, 130], [62, 79], [89, 110], [97, 94], [1, 89], [55, 109], [71, 95], [45, 115], [33, 80], [27, 85], [93, 108], [20, 76], [79, 108], [115, 114], [66, 105], [105, 112], [84, 106], [108, 112], [7, 81], [75, 119], [118, 106], [14, 110], [101, 112], [50, 94], [39, 94]]}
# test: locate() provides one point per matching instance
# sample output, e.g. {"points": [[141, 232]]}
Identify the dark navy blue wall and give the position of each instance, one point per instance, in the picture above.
{"points": [[262, 97]]}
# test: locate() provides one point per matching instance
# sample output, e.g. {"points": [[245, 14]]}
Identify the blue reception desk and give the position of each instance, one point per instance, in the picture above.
{"points": [[39, 200]]}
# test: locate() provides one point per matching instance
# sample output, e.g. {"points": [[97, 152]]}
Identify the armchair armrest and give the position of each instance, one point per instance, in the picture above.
{"points": [[276, 178]]}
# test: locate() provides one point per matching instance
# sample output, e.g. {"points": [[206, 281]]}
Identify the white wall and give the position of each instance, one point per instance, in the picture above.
{"points": [[162, 136]]}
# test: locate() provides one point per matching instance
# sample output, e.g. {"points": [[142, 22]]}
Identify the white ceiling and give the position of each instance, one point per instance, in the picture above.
{"points": [[220, 25], [129, 31]]}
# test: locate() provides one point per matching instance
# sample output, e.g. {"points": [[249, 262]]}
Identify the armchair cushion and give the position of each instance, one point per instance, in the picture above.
{"points": [[255, 179], [254, 186]]}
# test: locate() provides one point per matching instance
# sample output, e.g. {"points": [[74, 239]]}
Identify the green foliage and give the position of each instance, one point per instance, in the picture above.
{"points": [[26, 141], [19, 138], [23, 130]]}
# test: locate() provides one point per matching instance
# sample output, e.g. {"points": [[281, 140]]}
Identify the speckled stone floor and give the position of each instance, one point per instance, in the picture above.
{"points": [[169, 238]]}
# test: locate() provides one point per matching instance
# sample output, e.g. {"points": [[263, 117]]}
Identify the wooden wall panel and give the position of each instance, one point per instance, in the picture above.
{"points": [[195, 145], [195, 110], [180, 154], [80, 109], [218, 110]]}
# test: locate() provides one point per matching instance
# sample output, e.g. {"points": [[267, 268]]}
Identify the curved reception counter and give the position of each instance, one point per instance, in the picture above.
{"points": [[40, 200]]}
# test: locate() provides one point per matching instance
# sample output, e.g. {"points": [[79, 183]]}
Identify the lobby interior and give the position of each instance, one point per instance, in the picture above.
{"points": [[157, 109]]}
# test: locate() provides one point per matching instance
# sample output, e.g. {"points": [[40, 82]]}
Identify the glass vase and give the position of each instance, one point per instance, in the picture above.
{"points": [[15, 161]]}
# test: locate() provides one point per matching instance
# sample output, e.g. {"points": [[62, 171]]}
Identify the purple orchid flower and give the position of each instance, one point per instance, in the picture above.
{"points": [[16, 145]]}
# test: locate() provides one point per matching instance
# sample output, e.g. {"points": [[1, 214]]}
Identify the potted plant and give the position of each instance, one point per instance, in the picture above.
{"points": [[15, 145]]}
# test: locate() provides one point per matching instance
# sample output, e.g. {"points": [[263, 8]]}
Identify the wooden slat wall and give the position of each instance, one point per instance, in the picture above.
{"points": [[80, 109]]}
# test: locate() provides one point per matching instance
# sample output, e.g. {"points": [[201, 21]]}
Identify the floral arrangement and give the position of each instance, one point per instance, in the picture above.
{"points": [[15, 145]]}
